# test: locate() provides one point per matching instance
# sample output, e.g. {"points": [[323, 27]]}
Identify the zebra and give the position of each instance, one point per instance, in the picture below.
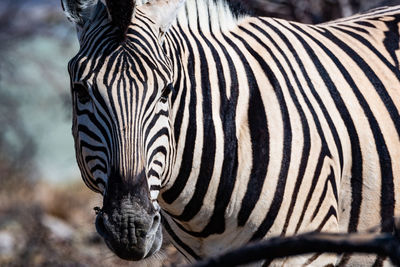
{"points": [[227, 128]]}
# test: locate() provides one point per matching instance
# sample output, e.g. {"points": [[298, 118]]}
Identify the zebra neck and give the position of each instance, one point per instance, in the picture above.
{"points": [[197, 22], [198, 49], [200, 59]]}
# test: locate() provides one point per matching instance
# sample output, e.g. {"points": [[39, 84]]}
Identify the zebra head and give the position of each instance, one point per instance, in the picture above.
{"points": [[121, 80]]}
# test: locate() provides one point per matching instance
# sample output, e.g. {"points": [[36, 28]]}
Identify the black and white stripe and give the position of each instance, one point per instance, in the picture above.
{"points": [[247, 127]]}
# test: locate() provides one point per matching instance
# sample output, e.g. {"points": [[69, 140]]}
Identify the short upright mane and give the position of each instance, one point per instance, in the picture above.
{"points": [[206, 15]]}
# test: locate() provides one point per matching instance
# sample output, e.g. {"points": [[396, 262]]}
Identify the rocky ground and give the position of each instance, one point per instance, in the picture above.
{"points": [[44, 225]]}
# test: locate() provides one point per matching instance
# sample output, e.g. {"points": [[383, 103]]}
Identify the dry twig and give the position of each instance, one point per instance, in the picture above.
{"points": [[384, 244]]}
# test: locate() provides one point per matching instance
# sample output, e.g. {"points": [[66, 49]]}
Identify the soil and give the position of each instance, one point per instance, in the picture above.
{"points": [[46, 225]]}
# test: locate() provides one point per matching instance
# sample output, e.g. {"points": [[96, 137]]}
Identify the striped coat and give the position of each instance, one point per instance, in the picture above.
{"points": [[242, 127]]}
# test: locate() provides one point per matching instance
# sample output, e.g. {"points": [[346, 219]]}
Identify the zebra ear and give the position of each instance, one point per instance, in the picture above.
{"points": [[78, 11], [121, 13], [162, 12]]}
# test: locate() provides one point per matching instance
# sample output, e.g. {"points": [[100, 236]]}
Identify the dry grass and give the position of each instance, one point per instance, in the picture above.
{"points": [[44, 225]]}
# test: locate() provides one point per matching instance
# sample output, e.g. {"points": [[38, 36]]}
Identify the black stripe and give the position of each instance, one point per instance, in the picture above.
{"points": [[94, 158], [162, 132], [258, 142], [178, 241], [391, 46], [209, 141], [310, 86], [387, 187], [156, 162], [155, 187], [356, 181], [98, 167], [312, 187], [94, 122], [154, 118], [330, 180], [304, 123], [258, 127], [160, 149], [90, 133], [93, 148], [173, 193], [331, 212], [227, 110]]}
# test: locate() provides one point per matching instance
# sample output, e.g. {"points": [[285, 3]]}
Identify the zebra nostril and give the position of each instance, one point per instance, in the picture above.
{"points": [[100, 227], [156, 223]]}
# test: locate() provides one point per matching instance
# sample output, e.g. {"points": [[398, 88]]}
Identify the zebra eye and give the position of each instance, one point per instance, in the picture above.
{"points": [[81, 92], [167, 90]]}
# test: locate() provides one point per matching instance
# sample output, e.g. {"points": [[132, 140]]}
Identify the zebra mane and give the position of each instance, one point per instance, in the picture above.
{"points": [[209, 15]]}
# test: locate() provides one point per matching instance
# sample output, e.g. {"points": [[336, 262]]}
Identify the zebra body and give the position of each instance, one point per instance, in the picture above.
{"points": [[315, 103], [239, 128]]}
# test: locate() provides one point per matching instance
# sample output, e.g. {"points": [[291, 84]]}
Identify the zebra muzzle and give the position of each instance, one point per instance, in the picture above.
{"points": [[130, 234]]}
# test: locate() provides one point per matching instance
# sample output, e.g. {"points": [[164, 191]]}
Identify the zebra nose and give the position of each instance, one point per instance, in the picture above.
{"points": [[130, 237]]}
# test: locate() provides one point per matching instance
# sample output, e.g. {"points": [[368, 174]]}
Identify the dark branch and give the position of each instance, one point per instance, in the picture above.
{"points": [[384, 244]]}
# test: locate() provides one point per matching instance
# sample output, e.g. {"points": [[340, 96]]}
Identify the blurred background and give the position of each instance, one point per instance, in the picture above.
{"points": [[46, 212]]}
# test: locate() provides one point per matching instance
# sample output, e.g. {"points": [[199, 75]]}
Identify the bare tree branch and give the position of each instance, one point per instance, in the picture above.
{"points": [[384, 244]]}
